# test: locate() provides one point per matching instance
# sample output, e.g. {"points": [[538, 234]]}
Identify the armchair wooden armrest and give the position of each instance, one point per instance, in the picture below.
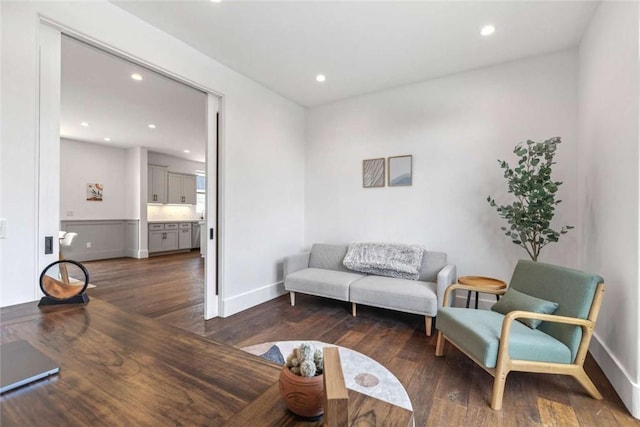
{"points": [[447, 294]]}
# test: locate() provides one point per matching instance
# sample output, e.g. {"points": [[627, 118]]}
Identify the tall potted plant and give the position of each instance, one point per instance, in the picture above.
{"points": [[529, 215]]}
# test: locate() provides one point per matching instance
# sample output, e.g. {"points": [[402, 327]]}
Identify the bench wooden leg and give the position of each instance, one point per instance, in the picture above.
{"points": [[353, 309], [428, 323], [292, 295], [440, 344]]}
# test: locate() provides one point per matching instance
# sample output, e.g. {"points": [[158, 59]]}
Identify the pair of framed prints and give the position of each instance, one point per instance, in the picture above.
{"points": [[400, 172]]}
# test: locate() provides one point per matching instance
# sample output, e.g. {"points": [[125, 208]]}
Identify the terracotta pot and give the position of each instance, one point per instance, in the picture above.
{"points": [[302, 395]]}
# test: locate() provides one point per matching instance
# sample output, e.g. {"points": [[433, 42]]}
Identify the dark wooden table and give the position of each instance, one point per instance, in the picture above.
{"points": [[120, 369]]}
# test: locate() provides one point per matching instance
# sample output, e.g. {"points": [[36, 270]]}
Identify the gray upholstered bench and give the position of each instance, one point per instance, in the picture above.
{"points": [[321, 272]]}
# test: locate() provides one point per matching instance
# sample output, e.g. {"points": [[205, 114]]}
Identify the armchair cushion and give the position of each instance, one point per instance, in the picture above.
{"points": [[573, 290], [478, 333], [514, 300]]}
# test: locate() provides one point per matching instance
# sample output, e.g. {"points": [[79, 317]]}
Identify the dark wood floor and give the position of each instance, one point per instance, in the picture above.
{"points": [[448, 391]]}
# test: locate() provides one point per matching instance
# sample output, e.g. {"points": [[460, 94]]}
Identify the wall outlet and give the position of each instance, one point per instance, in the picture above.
{"points": [[69, 213], [88, 245]]}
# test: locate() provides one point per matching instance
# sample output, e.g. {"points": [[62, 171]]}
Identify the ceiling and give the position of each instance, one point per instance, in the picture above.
{"points": [[363, 46], [97, 88]]}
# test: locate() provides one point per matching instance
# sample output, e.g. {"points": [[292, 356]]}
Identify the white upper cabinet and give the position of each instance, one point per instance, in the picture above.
{"points": [[157, 184], [181, 189]]}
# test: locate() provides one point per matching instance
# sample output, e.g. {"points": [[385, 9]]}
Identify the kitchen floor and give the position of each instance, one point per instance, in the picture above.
{"points": [[163, 286]]}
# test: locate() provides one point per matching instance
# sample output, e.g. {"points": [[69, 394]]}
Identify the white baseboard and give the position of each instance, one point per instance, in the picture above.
{"points": [[97, 255], [484, 303], [238, 303], [142, 254], [628, 391]]}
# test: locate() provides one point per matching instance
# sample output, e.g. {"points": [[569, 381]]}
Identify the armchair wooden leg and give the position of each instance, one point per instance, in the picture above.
{"points": [[498, 387], [292, 295], [440, 344], [353, 309], [588, 385], [428, 323]]}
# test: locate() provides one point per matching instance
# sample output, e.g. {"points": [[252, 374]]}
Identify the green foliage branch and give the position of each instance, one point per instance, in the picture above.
{"points": [[529, 215]]}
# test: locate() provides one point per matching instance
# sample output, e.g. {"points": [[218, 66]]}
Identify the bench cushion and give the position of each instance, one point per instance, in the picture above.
{"points": [[321, 282], [411, 296], [477, 332], [329, 257]]}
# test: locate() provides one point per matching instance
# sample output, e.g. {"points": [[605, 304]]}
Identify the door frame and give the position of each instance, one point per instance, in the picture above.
{"points": [[48, 120]]}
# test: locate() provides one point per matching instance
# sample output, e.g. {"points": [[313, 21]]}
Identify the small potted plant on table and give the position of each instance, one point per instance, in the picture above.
{"points": [[301, 381]]}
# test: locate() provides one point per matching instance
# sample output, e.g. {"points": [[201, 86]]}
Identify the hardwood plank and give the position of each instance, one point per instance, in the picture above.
{"points": [[555, 414], [445, 412], [171, 283], [454, 384], [164, 373]]}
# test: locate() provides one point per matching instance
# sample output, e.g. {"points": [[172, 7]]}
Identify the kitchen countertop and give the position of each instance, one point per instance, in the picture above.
{"points": [[171, 221]]}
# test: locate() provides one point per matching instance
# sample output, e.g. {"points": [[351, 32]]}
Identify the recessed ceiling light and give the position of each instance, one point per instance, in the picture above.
{"points": [[487, 30], [321, 78], [187, 151], [216, 1], [107, 139], [152, 126], [136, 76], [85, 124]]}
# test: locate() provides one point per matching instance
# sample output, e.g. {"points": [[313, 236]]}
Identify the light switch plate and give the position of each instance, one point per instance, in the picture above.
{"points": [[3, 228]]}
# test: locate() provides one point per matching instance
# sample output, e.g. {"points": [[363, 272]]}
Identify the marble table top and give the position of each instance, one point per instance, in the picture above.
{"points": [[361, 373]]}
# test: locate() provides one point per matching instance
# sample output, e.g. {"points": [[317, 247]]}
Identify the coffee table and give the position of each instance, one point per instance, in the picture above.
{"points": [[361, 373], [481, 283]]}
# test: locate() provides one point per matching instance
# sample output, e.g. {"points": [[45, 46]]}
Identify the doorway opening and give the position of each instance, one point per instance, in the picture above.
{"points": [[115, 158]]}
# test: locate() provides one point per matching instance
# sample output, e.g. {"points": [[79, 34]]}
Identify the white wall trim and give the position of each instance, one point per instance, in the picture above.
{"points": [[252, 298], [48, 147], [122, 54], [210, 295], [628, 391]]}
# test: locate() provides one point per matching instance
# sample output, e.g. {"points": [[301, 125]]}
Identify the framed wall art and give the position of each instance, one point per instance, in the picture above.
{"points": [[94, 192], [400, 171], [373, 173]]}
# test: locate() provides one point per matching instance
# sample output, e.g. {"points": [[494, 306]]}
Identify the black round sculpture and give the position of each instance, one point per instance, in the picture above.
{"points": [[64, 282]]}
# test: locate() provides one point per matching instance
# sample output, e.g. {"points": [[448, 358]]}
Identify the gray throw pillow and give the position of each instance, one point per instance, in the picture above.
{"points": [[514, 300]]}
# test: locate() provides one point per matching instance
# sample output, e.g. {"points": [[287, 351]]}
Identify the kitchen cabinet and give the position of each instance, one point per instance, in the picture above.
{"points": [[181, 189], [195, 235], [184, 236], [157, 184], [163, 240]]}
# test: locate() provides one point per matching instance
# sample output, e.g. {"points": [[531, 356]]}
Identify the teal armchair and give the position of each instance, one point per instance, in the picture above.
{"points": [[501, 343]]}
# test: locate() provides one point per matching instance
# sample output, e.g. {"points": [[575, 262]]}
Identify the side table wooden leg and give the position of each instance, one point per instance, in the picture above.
{"points": [[468, 298], [476, 300]]}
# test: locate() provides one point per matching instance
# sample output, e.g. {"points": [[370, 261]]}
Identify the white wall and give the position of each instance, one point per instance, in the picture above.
{"points": [[263, 146], [608, 188], [456, 128], [82, 163]]}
